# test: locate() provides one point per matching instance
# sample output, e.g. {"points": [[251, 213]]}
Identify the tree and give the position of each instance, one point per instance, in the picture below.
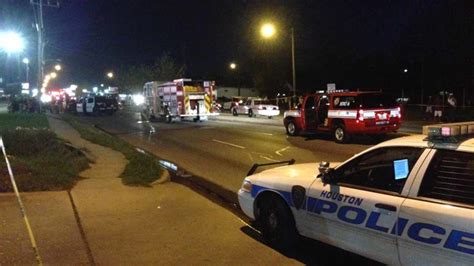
{"points": [[131, 79], [166, 68]]}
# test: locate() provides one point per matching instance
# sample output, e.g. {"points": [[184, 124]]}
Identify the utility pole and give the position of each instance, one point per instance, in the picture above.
{"points": [[293, 60], [40, 29]]}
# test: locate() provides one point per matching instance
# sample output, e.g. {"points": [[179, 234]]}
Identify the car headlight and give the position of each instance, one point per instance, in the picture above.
{"points": [[246, 186]]}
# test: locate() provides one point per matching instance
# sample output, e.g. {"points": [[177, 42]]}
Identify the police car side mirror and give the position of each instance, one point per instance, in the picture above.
{"points": [[323, 167], [326, 173]]}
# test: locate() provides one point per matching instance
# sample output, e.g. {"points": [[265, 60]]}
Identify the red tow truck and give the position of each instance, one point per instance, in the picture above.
{"points": [[344, 113]]}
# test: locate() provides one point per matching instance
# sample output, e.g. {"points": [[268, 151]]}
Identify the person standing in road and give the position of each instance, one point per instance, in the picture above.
{"points": [[452, 104], [429, 109], [438, 108]]}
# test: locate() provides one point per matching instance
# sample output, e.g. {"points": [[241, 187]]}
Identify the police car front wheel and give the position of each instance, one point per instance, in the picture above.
{"points": [[276, 223]]}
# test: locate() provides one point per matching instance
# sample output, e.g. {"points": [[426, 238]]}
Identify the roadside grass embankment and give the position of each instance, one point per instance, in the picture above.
{"points": [[40, 160], [142, 169]]}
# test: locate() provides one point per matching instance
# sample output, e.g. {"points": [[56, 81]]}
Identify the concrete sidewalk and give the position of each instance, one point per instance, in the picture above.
{"points": [[163, 224]]}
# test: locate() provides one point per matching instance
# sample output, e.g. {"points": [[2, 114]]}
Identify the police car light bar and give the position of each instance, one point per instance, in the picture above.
{"points": [[440, 131]]}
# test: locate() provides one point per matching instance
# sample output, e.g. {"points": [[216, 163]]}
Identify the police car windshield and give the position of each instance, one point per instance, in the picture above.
{"points": [[376, 100]]}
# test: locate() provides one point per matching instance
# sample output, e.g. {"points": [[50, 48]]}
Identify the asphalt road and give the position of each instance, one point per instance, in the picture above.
{"points": [[223, 150]]}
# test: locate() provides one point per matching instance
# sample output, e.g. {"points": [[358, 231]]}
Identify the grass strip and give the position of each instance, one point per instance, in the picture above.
{"points": [[40, 160], [27, 120], [142, 169]]}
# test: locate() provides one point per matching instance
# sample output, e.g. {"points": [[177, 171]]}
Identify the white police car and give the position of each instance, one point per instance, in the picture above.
{"points": [[405, 201]]}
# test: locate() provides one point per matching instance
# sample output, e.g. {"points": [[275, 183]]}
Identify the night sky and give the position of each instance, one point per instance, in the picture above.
{"points": [[355, 44]]}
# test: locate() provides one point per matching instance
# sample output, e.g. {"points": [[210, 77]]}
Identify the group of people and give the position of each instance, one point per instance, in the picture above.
{"points": [[439, 111], [23, 104]]}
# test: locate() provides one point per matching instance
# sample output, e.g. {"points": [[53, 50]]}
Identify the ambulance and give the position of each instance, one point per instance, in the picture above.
{"points": [[406, 201], [179, 99], [343, 114]]}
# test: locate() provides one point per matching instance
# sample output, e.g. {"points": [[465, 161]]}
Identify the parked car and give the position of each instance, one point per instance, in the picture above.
{"points": [[236, 100], [256, 107], [343, 114], [96, 105]]}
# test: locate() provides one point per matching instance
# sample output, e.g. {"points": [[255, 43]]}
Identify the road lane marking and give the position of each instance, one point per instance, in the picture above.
{"points": [[278, 152], [251, 157], [227, 143], [268, 158], [268, 134]]}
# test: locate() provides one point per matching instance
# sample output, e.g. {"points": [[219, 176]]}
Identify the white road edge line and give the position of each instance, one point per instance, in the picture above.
{"points": [[270, 159], [227, 143], [278, 152]]}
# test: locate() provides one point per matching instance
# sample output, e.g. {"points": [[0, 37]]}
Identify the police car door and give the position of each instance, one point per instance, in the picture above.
{"points": [[359, 209], [90, 105], [438, 217]]}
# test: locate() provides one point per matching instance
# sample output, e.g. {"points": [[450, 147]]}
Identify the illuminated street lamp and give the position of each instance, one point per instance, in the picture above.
{"points": [[53, 75], [267, 31], [110, 75], [233, 66], [11, 42], [57, 67]]}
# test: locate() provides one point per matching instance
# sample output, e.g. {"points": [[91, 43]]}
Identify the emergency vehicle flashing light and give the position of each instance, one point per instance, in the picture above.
{"points": [[442, 131]]}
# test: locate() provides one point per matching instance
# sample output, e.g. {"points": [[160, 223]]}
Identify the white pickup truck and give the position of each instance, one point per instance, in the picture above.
{"points": [[406, 201]]}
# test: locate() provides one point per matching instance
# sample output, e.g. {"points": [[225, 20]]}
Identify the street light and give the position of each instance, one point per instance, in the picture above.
{"points": [[110, 75], [11, 42], [233, 66], [267, 31], [57, 67], [53, 75], [405, 70]]}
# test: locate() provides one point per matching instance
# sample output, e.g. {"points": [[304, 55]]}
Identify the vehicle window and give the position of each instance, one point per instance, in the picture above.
{"points": [[324, 101], [376, 100], [384, 168], [90, 100], [450, 176], [310, 103], [262, 102], [344, 102], [249, 102], [80, 101]]}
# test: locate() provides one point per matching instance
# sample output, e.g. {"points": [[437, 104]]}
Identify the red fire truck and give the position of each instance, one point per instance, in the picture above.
{"points": [[344, 113], [179, 99]]}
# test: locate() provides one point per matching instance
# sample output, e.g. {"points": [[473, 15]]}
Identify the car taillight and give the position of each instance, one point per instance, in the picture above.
{"points": [[360, 115]]}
